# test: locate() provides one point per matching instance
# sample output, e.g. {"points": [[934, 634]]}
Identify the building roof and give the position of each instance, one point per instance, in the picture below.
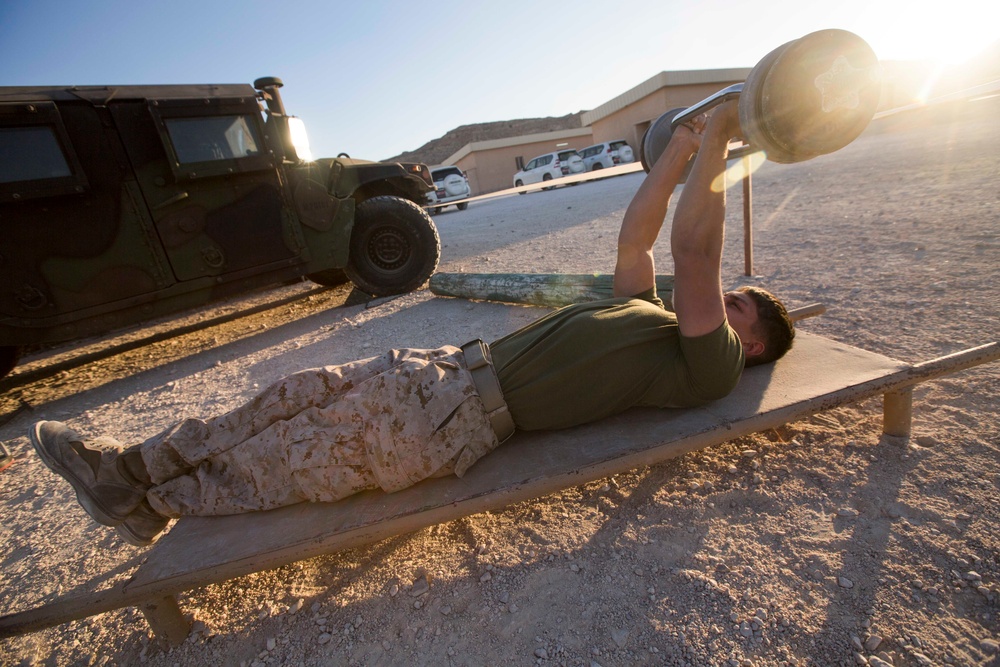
{"points": [[516, 141], [662, 80]]}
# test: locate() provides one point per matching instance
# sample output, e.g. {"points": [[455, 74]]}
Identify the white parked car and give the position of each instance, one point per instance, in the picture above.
{"points": [[550, 166], [606, 155], [451, 185]]}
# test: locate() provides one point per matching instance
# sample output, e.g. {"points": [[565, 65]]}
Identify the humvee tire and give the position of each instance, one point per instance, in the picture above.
{"points": [[394, 246]]}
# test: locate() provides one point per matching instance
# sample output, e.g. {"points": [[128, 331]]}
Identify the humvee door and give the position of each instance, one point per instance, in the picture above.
{"points": [[212, 186]]}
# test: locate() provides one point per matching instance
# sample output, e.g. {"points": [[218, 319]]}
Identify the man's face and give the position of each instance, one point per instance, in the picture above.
{"points": [[741, 311]]}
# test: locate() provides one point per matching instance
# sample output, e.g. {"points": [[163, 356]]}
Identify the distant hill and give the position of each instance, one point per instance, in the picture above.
{"points": [[436, 151]]}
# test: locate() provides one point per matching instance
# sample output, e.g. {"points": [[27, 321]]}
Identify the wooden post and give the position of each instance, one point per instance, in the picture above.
{"points": [[897, 412], [166, 620], [747, 218]]}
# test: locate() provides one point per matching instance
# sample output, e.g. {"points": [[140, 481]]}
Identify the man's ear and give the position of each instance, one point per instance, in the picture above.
{"points": [[753, 348]]}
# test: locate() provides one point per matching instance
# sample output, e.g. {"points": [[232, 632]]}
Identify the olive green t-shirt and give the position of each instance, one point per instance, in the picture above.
{"points": [[591, 360]]}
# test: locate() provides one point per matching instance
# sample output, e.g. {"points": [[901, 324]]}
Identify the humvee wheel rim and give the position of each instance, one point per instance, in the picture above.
{"points": [[388, 249]]}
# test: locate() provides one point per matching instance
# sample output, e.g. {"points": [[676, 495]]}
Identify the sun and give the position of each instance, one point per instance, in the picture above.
{"points": [[946, 33]]}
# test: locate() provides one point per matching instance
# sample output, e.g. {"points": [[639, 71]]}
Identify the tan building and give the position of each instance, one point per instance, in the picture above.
{"points": [[629, 115], [490, 165]]}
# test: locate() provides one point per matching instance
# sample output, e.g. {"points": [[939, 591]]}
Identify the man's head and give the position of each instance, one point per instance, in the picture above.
{"points": [[761, 322]]}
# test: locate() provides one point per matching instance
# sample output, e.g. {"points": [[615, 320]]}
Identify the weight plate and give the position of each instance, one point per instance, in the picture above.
{"points": [[656, 138], [820, 93], [751, 118]]}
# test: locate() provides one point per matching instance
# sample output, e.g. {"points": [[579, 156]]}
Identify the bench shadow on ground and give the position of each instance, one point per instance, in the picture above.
{"points": [[682, 547]]}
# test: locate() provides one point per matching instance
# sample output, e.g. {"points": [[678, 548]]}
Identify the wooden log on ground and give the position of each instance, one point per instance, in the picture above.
{"points": [[535, 289], [555, 289]]}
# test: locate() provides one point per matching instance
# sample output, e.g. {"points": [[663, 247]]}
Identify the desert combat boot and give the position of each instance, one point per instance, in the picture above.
{"points": [[143, 526], [107, 485]]}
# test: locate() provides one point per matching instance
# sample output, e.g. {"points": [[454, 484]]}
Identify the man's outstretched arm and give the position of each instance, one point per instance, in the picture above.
{"points": [[635, 271], [697, 233]]}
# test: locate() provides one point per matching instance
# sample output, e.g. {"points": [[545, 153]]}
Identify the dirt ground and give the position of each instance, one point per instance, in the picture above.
{"points": [[820, 543]]}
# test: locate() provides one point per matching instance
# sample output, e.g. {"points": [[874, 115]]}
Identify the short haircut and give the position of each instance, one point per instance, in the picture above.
{"points": [[773, 326]]}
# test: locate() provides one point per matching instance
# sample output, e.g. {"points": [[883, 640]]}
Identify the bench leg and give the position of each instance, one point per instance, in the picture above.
{"points": [[165, 618], [897, 412]]}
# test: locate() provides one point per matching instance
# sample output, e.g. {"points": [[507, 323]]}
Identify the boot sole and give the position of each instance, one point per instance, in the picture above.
{"points": [[135, 540], [96, 512]]}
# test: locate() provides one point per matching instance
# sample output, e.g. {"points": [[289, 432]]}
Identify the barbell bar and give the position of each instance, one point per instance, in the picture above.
{"points": [[808, 97]]}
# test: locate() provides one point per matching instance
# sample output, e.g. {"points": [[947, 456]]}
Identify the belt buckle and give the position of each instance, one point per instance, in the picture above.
{"points": [[475, 354]]}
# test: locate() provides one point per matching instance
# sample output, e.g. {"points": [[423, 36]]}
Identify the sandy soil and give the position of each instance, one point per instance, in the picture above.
{"points": [[821, 543]]}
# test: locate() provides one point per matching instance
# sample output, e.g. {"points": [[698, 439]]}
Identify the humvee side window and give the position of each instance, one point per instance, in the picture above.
{"points": [[36, 154], [31, 153], [207, 139]]}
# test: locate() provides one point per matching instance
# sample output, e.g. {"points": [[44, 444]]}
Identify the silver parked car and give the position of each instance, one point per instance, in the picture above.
{"points": [[607, 154], [550, 166]]}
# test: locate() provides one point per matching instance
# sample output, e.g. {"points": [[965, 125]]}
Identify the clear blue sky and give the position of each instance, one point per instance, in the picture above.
{"points": [[374, 78]]}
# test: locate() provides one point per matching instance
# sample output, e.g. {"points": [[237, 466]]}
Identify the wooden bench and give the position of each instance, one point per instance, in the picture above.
{"points": [[816, 375]]}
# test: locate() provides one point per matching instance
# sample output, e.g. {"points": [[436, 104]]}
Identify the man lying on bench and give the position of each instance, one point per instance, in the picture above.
{"points": [[391, 421]]}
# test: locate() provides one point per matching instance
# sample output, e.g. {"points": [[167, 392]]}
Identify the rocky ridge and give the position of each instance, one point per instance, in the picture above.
{"points": [[438, 150]]}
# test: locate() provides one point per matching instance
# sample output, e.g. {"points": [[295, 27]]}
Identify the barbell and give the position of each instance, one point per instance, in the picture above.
{"points": [[808, 97]]}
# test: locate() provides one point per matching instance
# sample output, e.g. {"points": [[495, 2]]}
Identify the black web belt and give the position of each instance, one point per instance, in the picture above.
{"points": [[480, 365]]}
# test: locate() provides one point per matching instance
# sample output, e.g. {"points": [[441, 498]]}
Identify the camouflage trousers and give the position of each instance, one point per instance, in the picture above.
{"points": [[323, 434]]}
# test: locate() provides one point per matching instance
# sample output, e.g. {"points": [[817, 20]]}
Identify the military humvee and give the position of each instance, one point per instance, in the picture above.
{"points": [[123, 203]]}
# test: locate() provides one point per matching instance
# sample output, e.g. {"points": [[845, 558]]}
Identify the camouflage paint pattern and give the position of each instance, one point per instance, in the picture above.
{"points": [[323, 434], [109, 220]]}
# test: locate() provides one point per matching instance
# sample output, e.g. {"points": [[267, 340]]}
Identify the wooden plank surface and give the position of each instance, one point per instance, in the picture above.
{"points": [[817, 374]]}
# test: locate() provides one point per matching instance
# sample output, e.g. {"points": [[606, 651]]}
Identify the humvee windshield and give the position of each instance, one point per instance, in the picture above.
{"points": [[212, 138]]}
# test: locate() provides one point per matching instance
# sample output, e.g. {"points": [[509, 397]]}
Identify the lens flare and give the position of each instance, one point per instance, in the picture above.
{"points": [[738, 170]]}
